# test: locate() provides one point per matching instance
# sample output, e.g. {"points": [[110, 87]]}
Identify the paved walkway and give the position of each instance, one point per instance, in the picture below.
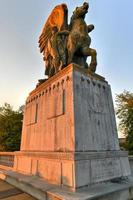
{"points": [[9, 192]]}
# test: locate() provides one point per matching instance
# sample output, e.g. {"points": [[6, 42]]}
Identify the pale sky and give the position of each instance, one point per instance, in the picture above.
{"points": [[21, 64]]}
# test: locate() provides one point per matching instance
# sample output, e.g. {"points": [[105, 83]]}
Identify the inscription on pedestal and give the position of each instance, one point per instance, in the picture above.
{"points": [[96, 104], [56, 104], [104, 169], [31, 114]]}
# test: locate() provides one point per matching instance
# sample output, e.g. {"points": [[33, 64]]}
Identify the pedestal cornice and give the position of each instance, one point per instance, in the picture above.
{"points": [[65, 71]]}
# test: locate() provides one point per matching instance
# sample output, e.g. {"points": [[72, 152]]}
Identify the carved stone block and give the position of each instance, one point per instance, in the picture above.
{"points": [[69, 132]]}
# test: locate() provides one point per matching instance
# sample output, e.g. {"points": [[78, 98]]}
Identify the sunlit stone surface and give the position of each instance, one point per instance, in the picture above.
{"points": [[69, 132]]}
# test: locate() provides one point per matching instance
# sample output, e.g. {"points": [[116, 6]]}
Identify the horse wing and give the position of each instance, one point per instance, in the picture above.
{"points": [[58, 18]]}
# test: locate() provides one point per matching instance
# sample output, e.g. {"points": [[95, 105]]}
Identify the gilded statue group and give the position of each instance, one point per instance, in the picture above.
{"points": [[62, 44]]}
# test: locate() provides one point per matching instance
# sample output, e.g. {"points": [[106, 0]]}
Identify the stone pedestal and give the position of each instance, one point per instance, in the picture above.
{"points": [[69, 132]]}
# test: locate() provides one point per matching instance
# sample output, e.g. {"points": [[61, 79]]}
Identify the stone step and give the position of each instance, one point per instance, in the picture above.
{"points": [[41, 190], [20, 197], [9, 192]]}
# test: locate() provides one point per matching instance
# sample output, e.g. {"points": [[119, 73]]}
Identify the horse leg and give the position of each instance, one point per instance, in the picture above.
{"points": [[93, 54], [71, 46], [70, 57]]}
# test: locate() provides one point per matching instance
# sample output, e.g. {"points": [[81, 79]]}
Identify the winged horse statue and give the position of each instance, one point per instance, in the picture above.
{"points": [[62, 43]]}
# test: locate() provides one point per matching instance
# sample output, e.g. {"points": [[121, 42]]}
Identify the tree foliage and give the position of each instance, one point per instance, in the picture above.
{"points": [[125, 115], [10, 128]]}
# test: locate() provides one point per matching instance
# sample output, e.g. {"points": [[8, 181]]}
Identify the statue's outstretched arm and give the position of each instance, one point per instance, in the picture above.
{"points": [[90, 28]]}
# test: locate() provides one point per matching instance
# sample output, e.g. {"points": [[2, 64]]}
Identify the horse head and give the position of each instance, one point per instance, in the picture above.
{"points": [[81, 11]]}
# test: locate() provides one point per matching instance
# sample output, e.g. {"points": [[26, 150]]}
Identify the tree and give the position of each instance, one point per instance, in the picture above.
{"points": [[10, 128], [125, 115]]}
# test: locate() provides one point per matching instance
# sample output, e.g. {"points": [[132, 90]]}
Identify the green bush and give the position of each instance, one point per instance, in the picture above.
{"points": [[125, 115], [10, 128]]}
